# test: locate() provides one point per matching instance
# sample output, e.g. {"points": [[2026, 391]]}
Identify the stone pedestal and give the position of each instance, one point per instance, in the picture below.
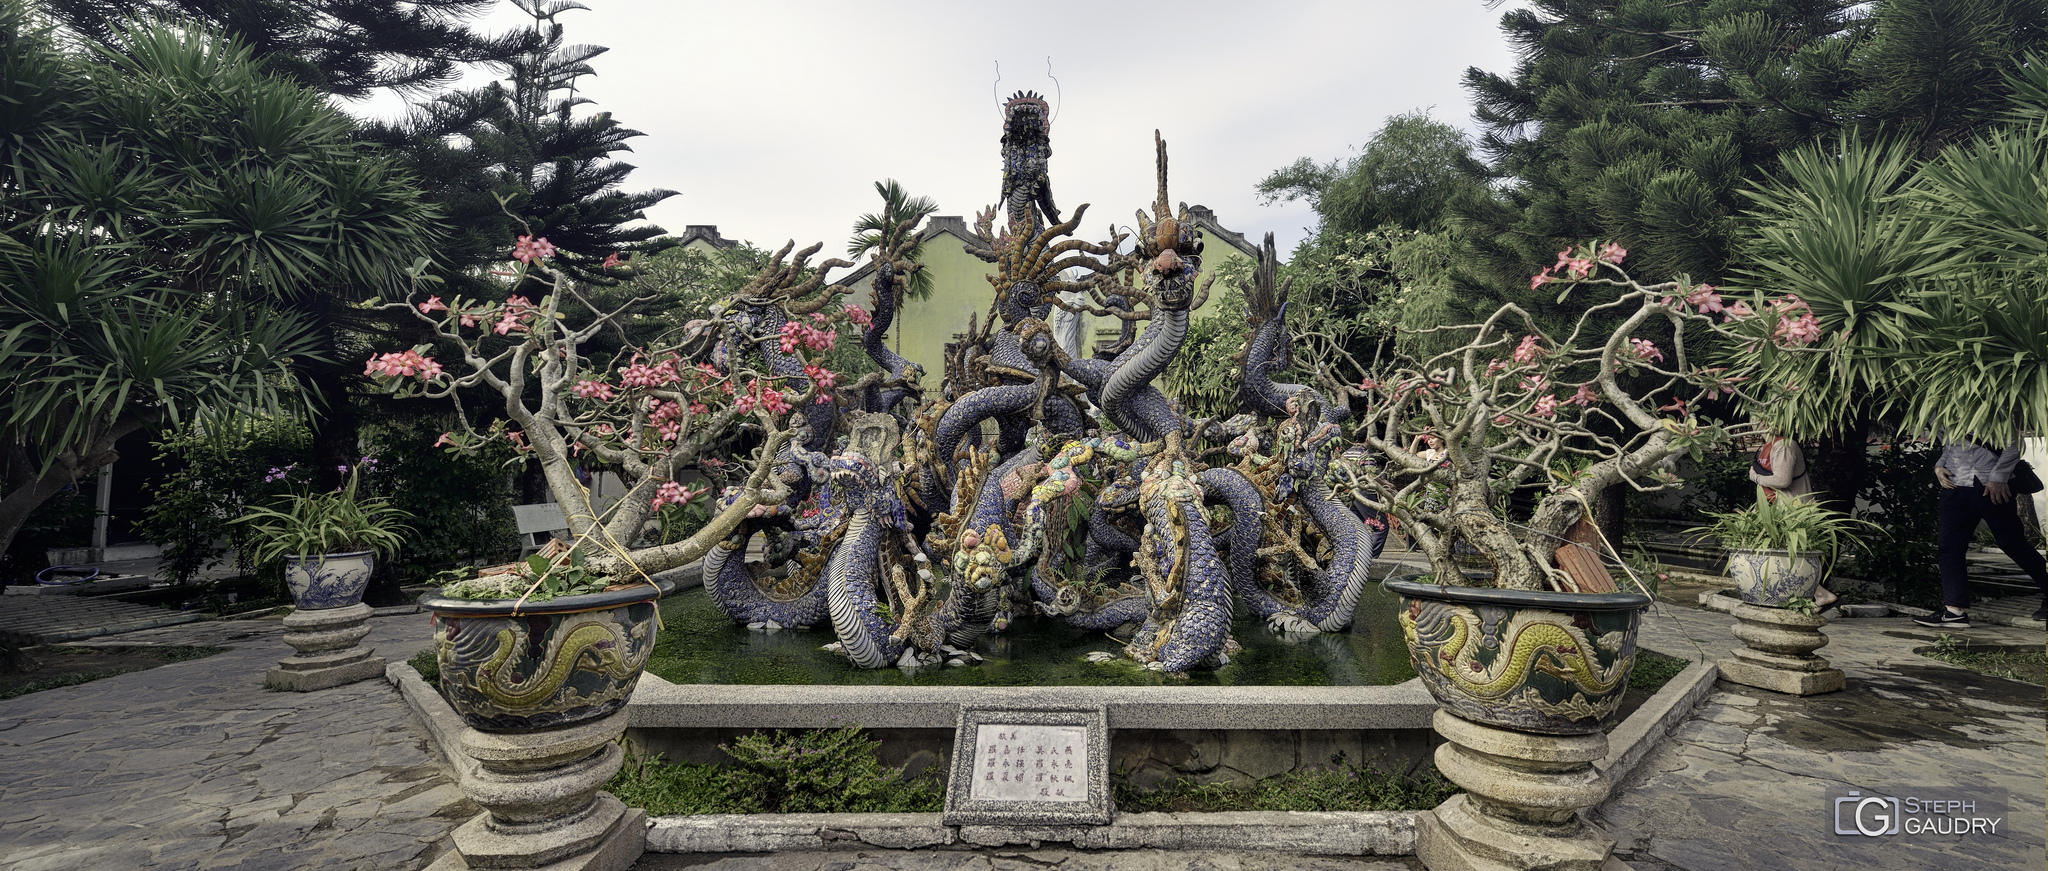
{"points": [[1520, 810], [542, 807], [1778, 655], [330, 652]]}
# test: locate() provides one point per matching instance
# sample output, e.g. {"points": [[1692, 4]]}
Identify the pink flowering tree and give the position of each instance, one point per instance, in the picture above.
{"points": [[1574, 413], [653, 412]]}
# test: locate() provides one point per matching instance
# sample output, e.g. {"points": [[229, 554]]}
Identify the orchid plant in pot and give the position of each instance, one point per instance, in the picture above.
{"points": [[329, 541], [560, 638], [1542, 642]]}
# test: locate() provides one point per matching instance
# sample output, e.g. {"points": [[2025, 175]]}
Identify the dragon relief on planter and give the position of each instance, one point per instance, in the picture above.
{"points": [[1524, 667]]}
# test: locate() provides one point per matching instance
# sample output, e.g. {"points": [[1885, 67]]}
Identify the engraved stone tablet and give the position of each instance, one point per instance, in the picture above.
{"points": [[1035, 767]]}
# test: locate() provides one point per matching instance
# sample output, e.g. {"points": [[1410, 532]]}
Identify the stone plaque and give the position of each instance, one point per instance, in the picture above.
{"points": [[1030, 767]]}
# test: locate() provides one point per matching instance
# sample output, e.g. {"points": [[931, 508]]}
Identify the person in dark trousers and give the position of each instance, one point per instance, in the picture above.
{"points": [[1974, 488]]}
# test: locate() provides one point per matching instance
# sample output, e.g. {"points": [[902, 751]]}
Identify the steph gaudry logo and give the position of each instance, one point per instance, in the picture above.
{"points": [[1921, 813]]}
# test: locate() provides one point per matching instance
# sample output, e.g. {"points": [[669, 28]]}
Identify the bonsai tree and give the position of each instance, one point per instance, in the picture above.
{"points": [[1603, 404], [652, 412]]}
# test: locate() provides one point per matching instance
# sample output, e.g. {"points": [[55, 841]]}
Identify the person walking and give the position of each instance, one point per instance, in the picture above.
{"points": [[1779, 472], [1975, 487]]}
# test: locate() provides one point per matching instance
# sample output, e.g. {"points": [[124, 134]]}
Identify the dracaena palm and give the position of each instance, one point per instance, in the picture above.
{"points": [[170, 219], [1978, 360], [1836, 229]]}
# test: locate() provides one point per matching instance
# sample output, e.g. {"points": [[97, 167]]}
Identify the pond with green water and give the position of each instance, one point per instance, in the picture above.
{"points": [[699, 645]]}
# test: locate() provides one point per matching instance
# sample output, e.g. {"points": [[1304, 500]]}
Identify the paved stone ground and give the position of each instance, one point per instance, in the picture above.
{"points": [[1744, 784], [1027, 860], [195, 765], [27, 620]]}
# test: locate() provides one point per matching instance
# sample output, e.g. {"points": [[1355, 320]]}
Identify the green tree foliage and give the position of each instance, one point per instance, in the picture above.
{"points": [[519, 146], [218, 476], [164, 207], [1407, 176], [1642, 121], [347, 48]]}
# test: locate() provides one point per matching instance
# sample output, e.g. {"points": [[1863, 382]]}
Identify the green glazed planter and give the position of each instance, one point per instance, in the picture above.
{"points": [[556, 663], [1532, 661]]}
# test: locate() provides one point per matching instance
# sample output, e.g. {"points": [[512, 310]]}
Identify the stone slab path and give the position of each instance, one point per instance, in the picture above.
{"points": [[31, 620], [1745, 783], [1048, 859], [194, 765]]}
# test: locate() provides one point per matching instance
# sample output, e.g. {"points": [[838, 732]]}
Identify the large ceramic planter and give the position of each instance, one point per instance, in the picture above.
{"points": [[1774, 577], [542, 666], [1530, 661], [336, 580]]}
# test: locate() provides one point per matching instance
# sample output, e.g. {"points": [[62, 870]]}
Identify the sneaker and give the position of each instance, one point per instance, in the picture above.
{"points": [[1944, 619]]}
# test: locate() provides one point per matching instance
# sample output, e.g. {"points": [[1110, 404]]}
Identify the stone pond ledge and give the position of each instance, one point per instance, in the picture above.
{"points": [[1359, 833], [659, 704]]}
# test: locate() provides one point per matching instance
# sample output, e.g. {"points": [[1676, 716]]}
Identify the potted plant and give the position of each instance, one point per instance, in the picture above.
{"points": [[1779, 550], [329, 541], [1531, 641], [560, 638]]}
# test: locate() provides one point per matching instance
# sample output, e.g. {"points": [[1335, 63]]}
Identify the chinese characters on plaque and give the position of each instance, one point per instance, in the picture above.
{"points": [[1030, 763]]}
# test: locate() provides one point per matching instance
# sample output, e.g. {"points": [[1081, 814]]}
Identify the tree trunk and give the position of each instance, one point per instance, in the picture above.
{"points": [[1610, 511], [28, 486]]}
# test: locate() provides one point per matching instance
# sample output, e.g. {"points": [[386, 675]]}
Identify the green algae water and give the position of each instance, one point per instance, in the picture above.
{"points": [[698, 645]]}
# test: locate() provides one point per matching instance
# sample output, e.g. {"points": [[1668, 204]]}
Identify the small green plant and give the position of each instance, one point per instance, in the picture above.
{"points": [[315, 524], [428, 664], [539, 579], [1792, 525], [2022, 665], [1652, 670], [1801, 605]]}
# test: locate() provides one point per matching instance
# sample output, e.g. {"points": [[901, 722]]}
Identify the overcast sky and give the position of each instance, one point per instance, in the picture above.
{"points": [[773, 119]]}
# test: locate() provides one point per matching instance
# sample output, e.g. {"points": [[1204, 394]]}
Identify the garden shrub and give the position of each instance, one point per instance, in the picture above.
{"points": [[800, 771], [1902, 496], [216, 475], [460, 503], [1340, 787]]}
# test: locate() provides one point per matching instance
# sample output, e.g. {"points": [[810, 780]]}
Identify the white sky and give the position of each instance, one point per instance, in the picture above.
{"points": [[773, 119]]}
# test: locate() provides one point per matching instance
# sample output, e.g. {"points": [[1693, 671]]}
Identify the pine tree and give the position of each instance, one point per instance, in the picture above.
{"points": [[347, 48], [1641, 121], [521, 141]]}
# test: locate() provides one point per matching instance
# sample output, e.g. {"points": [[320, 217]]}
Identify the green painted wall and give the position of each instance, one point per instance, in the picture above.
{"points": [[960, 288]]}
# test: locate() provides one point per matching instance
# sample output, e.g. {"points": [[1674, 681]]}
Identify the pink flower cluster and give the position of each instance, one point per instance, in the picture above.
{"points": [[1644, 349], [517, 310], [769, 400], [667, 418], [1545, 407], [1528, 351], [1577, 263], [672, 493], [590, 389], [1796, 323], [638, 374], [404, 364], [859, 315], [796, 333], [529, 249]]}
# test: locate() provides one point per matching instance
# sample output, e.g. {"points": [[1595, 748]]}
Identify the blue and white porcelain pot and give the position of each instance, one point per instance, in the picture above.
{"points": [[334, 580], [1774, 577]]}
